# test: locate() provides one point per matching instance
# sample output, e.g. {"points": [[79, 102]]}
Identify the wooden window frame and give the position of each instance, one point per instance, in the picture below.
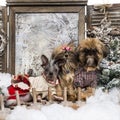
{"points": [[41, 7]]}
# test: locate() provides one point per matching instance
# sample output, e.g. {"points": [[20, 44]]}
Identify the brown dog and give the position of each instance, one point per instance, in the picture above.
{"points": [[66, 60], [91, 51]]}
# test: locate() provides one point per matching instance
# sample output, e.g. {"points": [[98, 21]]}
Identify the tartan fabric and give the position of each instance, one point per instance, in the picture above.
{"points": [[85, 79]]}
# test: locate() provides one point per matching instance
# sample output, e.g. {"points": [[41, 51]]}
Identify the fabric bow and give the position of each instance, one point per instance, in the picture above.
{"points": [[66, 48]]}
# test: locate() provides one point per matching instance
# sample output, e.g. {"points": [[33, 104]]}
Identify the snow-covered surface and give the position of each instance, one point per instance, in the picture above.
{"points": [[102, 106], [96, 2], [2, 2], [5, 79]]}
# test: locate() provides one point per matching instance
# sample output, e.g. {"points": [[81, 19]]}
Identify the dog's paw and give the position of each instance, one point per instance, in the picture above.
{"points": [[57, 98], [43, 102], [72, 98]]}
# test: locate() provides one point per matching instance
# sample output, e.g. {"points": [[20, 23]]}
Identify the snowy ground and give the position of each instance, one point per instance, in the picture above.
{"points": [[101, 106]]}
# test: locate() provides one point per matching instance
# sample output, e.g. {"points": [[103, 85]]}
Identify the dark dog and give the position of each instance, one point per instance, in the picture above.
{"points": [[51, 69], [50, 74]]}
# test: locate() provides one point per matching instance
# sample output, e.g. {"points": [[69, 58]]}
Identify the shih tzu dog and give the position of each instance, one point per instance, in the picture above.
{"points": [[90, 53]]}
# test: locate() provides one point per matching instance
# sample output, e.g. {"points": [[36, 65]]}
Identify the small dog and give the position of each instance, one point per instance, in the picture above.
{"points": [[62, 66], [91, 51], [50, 75]]}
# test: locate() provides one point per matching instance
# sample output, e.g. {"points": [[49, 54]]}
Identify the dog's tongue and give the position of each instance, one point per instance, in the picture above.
{"points": [[51, 81]]}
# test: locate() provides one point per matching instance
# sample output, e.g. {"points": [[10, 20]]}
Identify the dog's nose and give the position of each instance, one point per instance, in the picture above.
{"points": [[51, 73], [66, 55]]}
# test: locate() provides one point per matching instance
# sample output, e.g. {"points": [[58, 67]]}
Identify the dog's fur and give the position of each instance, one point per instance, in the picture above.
{"points": [[51, 69], [91, 51], [61, 66], [50, 72], [66, 61]]}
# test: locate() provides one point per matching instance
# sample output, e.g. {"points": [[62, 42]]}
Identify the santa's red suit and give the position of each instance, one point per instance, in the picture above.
{"points": [[16, 87]]}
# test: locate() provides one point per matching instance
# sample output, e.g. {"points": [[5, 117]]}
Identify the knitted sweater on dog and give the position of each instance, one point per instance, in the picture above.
{"points": [[85, 79]]}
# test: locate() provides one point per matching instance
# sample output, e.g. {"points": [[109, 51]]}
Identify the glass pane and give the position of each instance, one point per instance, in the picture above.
{"points": [[38, 34]]}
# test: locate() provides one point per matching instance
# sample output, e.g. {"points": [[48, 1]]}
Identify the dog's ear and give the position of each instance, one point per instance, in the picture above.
{"points": [[60, 62], [44, 60]]}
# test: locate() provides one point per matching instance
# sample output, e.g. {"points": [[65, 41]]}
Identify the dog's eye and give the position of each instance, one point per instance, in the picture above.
{"points": [[46, 70], [56, 70], [85, 50], [95, 51]]}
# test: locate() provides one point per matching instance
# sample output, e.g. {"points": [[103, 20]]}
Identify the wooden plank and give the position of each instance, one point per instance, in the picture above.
{"points": [[47, 2], [42, 9], [95, 16]]}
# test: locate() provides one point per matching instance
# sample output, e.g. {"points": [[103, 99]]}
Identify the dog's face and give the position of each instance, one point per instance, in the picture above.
{"points": [[66, 53], [91, 51], [51, 69]]}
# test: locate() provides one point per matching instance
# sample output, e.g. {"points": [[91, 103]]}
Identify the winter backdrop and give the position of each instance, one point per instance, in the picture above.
{"points": [[38, 34], [102, 106]]}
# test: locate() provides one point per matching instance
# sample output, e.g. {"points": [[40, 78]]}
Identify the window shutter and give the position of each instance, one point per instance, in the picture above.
{"points": [[96, 13]]}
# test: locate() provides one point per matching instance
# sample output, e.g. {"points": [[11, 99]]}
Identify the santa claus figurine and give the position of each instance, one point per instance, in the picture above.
{"points": [[21, 84]]}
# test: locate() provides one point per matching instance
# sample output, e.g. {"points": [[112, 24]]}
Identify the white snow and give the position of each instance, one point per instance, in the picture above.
{"points": [[96, 2], [102, 106], [2, 2], [5, 79]]}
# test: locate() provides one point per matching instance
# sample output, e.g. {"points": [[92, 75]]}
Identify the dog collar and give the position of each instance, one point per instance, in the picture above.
{"points": [[55, 82]]}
